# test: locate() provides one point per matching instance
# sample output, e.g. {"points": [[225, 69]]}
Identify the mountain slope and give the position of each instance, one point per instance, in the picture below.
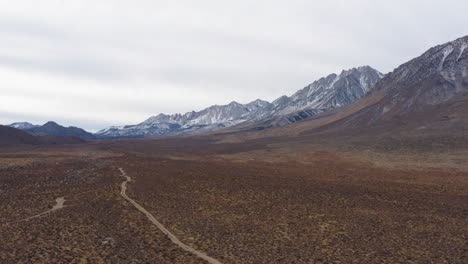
{"points": [[329, 92], [10, 136], [53, 129], [322, 95], [430, 88], [427, 96]]}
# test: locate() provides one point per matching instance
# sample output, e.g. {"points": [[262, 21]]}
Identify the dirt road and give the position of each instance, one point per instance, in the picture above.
{"points": [[59, 205], [171, 236]]}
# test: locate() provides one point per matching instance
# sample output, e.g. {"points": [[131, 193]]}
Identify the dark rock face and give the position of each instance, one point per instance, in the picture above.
{"points": [[53, 129], [322, 95]]}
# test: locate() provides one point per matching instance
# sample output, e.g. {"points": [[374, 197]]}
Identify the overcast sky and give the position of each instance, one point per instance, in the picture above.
{"points": [[95, 63]]}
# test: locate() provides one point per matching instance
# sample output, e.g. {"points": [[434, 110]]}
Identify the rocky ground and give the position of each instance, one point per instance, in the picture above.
{"points": [[238, 203]]}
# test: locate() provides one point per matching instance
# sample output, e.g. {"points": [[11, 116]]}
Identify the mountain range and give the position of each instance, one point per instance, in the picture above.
{"points": [[327, 93], [23, 125], [10, 136], [52, 129], [426, 93], [425, 97]]}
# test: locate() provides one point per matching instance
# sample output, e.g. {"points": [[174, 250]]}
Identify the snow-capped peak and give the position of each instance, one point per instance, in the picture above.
{"points": [[22, 125]]}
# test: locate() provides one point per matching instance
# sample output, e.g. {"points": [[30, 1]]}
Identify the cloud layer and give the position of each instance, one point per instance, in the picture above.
{"points": [[112, 62]]}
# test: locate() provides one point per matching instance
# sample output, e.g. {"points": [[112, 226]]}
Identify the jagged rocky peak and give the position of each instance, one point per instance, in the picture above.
{"points": [[256, 105], [450, 60], [359, 79], [51, 124], [53, 129], [282, 100], [258, 102], [366, 75], [330, 92], [323, 94], [366, 70], [426, 94], [234, 103], [448, 55], [438, 75], [163, 118]]}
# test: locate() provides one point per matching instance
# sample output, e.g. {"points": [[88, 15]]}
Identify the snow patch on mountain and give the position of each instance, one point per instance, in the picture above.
{"points": [[446, 52], [462, 49], [22, 125]]}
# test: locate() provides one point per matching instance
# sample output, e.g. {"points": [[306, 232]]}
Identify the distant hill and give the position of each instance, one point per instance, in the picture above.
{"points": [[53, 129], [22, 125], [10, 136], [13, 136]]}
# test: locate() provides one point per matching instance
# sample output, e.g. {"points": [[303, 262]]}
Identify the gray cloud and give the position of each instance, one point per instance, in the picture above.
{"points": [[74, 67], [94, 63]]}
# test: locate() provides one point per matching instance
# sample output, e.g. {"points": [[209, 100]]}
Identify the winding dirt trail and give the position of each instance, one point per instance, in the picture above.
{"points": [[59, 205], [171, 236]]}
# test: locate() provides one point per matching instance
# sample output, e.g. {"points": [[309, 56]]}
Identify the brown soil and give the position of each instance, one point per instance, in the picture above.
{"points": [[277, 200]]}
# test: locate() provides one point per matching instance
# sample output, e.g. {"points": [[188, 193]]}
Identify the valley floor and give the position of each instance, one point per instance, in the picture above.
{"points": [[256, 203]]}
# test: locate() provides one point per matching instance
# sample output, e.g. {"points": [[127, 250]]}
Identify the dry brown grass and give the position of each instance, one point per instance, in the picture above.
{"points": [[294, 200]]}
